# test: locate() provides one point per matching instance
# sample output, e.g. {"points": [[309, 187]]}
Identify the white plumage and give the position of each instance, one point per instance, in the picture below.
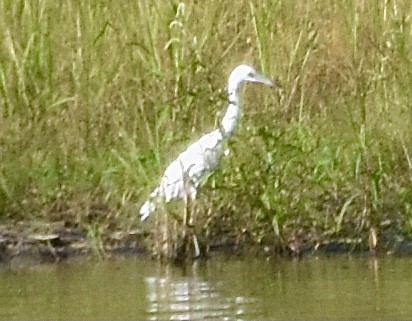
{"points": [[184, 175]]}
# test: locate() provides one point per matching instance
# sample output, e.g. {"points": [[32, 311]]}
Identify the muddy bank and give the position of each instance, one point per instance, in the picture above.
{"points": [[37, 242], [25, 243]]}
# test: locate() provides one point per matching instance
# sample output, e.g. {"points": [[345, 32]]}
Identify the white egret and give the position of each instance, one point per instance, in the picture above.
{"points": [[185, 174]]}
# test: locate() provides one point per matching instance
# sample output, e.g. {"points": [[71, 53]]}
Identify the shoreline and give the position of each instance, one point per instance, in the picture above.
{"points": [[21, 244]]}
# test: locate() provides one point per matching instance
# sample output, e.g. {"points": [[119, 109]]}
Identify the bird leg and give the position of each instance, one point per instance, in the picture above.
{"points": [[187, 216], [196, 245], [188, 224], [192, 226]]}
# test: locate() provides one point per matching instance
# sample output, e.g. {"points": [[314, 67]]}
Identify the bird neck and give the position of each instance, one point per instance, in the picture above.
{"points": [[231, 118]]}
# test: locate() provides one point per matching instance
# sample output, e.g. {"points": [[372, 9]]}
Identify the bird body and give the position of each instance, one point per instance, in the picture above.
{"points": [[185, 174]]}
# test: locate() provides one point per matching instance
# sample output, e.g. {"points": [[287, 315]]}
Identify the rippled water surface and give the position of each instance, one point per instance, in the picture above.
{"points": [[219, 289]]}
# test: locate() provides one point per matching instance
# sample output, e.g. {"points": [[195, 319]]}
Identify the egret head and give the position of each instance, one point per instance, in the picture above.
{"points": [[244, 73]]}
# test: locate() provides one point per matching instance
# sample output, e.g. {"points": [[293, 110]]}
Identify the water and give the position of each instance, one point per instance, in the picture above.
{"points": [[219, 289]]}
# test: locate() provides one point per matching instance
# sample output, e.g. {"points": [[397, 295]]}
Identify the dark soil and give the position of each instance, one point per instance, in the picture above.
{"points": [[26, 243]]}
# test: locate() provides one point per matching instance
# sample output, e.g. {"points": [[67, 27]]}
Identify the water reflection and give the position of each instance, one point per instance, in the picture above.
{"points": [[191, 297], [341, 288]]}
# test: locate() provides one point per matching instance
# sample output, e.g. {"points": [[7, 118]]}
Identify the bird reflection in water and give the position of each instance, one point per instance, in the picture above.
{"points": [[174, 297]]}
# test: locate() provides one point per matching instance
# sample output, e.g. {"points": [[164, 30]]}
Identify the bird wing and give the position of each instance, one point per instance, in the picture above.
{"points": [[204, 154], [183, 176]]}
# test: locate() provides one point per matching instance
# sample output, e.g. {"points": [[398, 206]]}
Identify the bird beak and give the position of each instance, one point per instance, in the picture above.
{"points": [[262, 79]]}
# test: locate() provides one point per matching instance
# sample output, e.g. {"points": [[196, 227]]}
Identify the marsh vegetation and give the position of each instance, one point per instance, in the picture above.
{"points": [[97, 97]]}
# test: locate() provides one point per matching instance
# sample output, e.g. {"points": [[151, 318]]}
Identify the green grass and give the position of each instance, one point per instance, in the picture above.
{"points": [[96, 97]]}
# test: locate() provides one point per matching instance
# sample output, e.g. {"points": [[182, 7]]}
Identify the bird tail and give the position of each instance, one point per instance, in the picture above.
{"points": [[149, 206]]}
